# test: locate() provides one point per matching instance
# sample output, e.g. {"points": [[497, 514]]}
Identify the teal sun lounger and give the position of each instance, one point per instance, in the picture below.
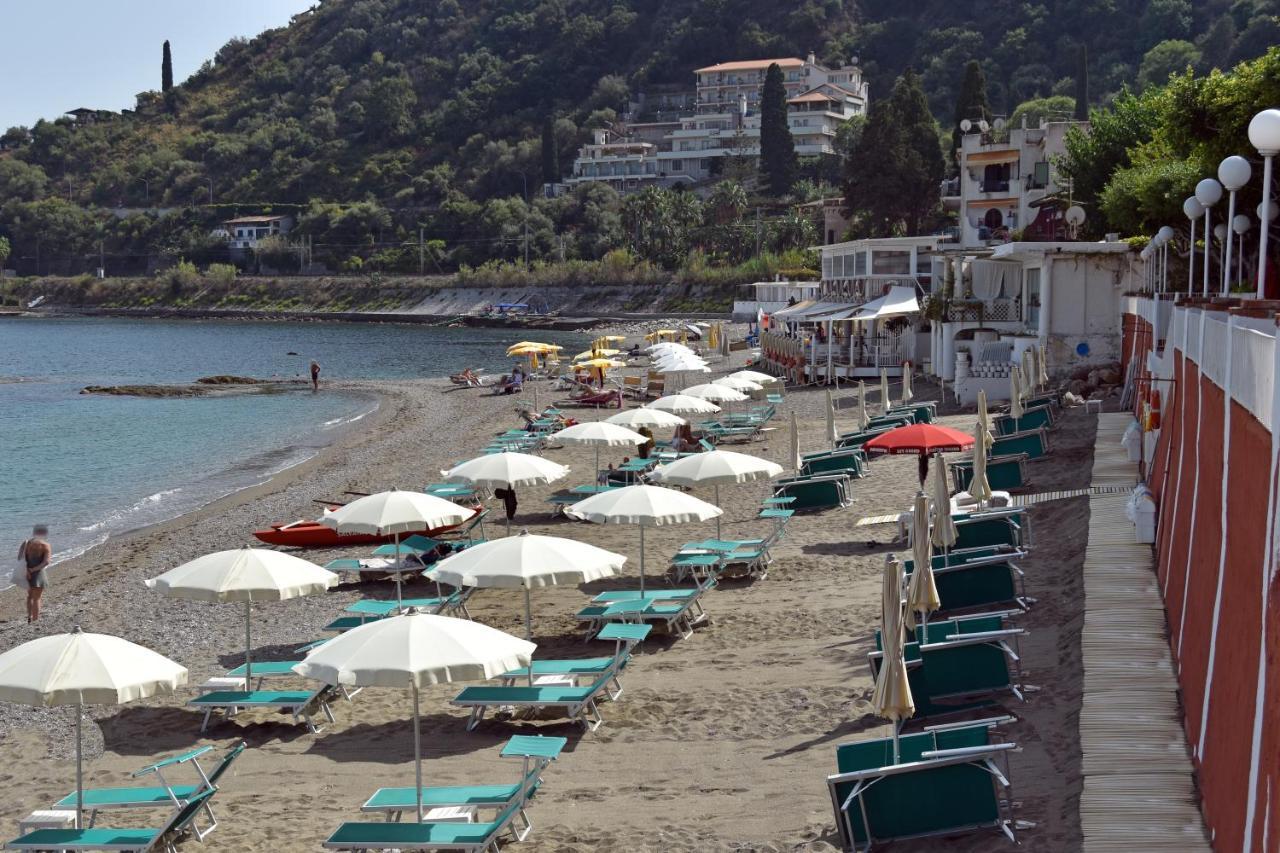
{"points": [[124, 840]]}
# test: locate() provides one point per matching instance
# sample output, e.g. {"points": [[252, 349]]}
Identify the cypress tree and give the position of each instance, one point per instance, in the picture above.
{"points": [[971, 102], [166, 69], [922, 178], [550, 157], [778, 163], [1082, 84]]}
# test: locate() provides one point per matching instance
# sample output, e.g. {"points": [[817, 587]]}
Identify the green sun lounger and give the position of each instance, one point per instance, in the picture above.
{"points": [[464, 530], [998, 527], [860, 437], [579, 704], [470, 837], [625, 638], [630, 605], [813, 494], [158, 796], [980, 582], [947, 779], [921, 413], [164, 838], [1034, 443], [300, 703], [536, 752], [850, 461], [1040, 416]]}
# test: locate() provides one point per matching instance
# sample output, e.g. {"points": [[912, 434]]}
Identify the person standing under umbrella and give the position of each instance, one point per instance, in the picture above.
{"points": [[35, 554]]}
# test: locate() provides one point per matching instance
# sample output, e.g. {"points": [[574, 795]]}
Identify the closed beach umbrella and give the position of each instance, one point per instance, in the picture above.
{"points": [[979, 487], [984, 419], [643, 416], [683, 404], [907, 393], [415, 650], [84, 669], [1028, 372], [1042, 367], [716, 468], [715, 393], [248, 575], [863, 419], [1015, 393], [891, 698], [922, 592], [884, 391], [832, 433], [526, 561], [395, 513], [944, 527], [795, 443], [738, 383], [645, 506], [752, 376], [599, 434]]}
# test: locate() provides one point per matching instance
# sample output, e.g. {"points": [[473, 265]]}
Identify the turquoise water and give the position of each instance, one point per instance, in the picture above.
{"points": [[91, 466]]}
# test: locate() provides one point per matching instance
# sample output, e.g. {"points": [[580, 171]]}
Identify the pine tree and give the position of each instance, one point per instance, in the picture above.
{"points": [[550, 156], [1082, 84], [166, 70], [971, 103], [778, 162]]}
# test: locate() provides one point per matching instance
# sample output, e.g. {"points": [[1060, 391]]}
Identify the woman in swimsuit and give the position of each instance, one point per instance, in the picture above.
{"points": [[35, 553]]}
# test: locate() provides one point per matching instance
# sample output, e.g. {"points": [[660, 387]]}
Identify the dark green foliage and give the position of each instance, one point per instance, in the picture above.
{"points": [[550, 155], [1082, 84], [166, 69], [777, 149], [971, 104]]}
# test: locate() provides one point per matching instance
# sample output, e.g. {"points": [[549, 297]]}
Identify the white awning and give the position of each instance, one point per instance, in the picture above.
{"points": [[795, 312], [898, 301]]}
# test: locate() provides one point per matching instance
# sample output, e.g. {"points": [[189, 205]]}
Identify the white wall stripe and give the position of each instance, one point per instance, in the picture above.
{"points": [[1195, 495]]}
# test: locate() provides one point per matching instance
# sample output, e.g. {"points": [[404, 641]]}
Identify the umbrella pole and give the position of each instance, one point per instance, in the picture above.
{"points": [[79, 765], [642, 559], [897, 724], [417, 753], [597, 463], [248, 644], [718, 516], [528, 620], [399, 579]]}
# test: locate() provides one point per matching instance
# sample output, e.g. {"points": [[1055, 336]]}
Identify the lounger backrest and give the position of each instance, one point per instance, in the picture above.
{"points": [[181, 818], [227, 761]]}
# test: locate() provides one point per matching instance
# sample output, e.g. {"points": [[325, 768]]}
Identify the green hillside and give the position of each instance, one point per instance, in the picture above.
{"points": [[374, 118]]}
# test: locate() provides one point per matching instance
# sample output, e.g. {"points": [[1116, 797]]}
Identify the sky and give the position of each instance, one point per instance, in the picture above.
{"points": [[57, 55]]}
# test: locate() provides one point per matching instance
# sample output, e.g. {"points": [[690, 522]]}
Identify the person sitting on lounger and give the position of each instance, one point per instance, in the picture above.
{"points": [[645, 449], [605, 475]]}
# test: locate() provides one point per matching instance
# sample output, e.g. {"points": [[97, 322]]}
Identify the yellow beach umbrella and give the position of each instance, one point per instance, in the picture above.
{"points": [[603, 363], [595, 353], [613, 338], [525, 347], [891, 698]]}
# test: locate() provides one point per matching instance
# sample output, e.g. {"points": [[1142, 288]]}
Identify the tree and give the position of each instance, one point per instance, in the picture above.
{"points": [[550, 155], [1164, 20], [1082, 84], [893, 180], [1053, 107], [971, 103], [5, 248], [778, 163], [166, 69], [727, 203], [1165, 60], [1216, 44]]}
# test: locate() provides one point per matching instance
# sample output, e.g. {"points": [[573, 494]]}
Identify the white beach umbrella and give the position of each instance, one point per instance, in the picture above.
{"points": [[1028, 372], [979, 487], [646, 417], [832, 435], [248, 575], [506, 470], [922, 592], [795, 443], [395, 513], [1042, 366], [884, 391], [683, 404], [715, 393], [984, 420], [599, 434], [1015, 392], [716, 468], [646, 506], [891, 698], [738, 383], [84, 669], [943, 533], [864, 420], [527, 561], [752, 376], [415, 650]]}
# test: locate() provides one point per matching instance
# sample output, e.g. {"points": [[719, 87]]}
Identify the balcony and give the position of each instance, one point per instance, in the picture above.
{"points": [[993, 186], [950, 188]]}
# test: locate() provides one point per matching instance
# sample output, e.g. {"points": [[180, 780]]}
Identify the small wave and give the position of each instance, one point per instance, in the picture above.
{"points": [[118, 515]]}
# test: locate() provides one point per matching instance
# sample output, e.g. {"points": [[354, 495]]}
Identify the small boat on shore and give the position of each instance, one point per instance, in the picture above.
{"points": [[312, 534]]}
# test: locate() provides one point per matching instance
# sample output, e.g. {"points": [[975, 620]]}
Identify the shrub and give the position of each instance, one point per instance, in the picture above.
{"points": [[223, 274], [181, 275]]}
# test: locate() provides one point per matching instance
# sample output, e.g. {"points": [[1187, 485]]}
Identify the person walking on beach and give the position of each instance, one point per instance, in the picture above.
{"points": [[34, 555], [315, 376]]}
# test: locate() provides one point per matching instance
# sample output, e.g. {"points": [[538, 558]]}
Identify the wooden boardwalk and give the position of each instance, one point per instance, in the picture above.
{"points": [[1138, 791]]}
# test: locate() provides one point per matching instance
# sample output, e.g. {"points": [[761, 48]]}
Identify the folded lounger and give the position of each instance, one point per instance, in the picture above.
{"points": [[847, 460], [828, 491], [1004, 473], [977, 582], [947, 779], [536, 751], [164, 838], [579, 704], [162, 795], [1006, 527], [300, 703], [464, 530], [429, 835], [1033, 442], [921, 413], [625, 638], [1040, 416]]}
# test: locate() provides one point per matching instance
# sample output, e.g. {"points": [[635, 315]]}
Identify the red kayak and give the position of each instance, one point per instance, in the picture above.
{"points": [[313, 534]]}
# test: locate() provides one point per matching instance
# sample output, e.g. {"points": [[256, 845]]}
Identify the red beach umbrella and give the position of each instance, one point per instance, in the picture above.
{"points": [[920, 439]]}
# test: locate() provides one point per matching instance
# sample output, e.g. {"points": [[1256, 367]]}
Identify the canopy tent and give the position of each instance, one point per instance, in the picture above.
{"points": [[895, 303]]}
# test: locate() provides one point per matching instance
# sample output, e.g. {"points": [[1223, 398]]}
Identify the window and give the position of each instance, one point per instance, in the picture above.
{"points": [[1031, 298], [860, 263], [890, 263], [677, 165], [1040, 176]]}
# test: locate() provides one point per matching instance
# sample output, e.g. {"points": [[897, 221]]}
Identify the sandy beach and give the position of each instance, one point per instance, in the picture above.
{"points": [[721, 741]]}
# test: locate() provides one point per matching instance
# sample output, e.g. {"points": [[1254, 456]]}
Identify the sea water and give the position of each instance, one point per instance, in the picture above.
{"points": [[91, 466]]}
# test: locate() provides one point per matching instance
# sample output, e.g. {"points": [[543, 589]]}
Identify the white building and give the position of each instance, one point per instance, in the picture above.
{"points": [[726, 122], [1006, 176], [244, 232], [770, 296]]}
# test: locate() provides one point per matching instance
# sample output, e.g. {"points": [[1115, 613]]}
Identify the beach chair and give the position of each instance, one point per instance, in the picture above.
{"points": [[1033, 443], [162, 795], [1004, 473], [124, 840], [719, 431], [466, 529], [982, 580], [861, 437], [536, 751], [429, 835], [828, 491], [633, 387], [921, 413], [947, 779], [1041, 416], [1009, 528], [578, 704], [850, 461], [678, 610], [301, 704], [571, 670], [376, 608]]}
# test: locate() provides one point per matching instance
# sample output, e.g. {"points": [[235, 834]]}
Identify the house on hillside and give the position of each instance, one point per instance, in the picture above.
{"points": [[830, 217], [244, 232]]}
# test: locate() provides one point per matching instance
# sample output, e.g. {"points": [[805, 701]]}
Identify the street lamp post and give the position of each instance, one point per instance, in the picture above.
{"points": [[1264, 135], [1165, 236], [1234, 172], [1193, 210], [1241, 225], [1208, 193]]}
